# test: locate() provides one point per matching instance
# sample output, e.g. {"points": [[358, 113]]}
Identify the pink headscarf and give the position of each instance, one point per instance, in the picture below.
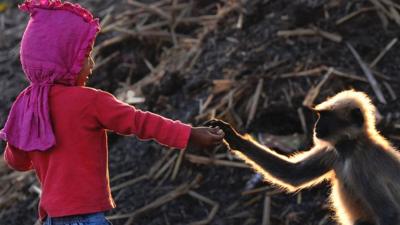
{"points": [[56, 42]]}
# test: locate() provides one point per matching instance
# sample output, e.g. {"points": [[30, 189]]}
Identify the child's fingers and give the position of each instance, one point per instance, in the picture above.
{"points": [[216, 130], [218, 137]]}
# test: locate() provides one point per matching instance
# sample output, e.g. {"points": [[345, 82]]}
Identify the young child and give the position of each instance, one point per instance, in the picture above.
{"points": [[57, 126]]}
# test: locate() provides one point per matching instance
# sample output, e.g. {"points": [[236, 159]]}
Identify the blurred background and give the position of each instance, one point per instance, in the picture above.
{"points": [[258, 64]]}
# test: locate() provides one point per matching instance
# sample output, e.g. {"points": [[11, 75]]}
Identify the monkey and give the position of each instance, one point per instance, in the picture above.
{"points": [[361, 166]]}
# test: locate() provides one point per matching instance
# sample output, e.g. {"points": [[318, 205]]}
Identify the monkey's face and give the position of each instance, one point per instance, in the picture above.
{"points": [[333, 125], [328, 124]]}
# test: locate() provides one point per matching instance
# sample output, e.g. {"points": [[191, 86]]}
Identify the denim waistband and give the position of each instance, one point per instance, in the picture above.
{"points": [[85, 218]]}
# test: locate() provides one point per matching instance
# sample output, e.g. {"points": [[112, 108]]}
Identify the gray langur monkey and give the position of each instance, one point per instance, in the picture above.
{"points": [[361, 165]]}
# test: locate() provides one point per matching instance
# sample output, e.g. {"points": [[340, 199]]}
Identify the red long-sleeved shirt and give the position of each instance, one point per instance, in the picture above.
{"points": [[74, 173]]}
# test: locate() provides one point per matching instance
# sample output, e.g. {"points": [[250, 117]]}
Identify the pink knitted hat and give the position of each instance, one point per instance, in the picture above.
{"points": [[56, 42]]}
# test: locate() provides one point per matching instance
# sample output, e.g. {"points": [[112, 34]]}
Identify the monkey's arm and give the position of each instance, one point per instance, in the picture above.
{"points": [[293, 173]]}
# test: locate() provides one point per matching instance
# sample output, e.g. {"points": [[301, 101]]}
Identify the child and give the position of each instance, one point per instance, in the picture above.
{"points": [[57, 126]]}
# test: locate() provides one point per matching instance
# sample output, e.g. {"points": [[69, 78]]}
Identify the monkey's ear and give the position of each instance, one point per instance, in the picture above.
{"points": [[357, 116]]}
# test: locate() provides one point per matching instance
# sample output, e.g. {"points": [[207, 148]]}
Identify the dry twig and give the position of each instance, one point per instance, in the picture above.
{"points": [[310, 32], [368, 74], [266, 219], [383, 52], [314, 91], [205, 160], [177, 192], [213, 212], [354, 14]]}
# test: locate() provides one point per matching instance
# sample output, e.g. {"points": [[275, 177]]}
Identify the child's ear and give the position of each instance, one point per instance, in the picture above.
{"points": [[357, 117]]}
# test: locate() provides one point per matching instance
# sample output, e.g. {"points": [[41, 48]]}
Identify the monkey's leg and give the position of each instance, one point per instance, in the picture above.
{"points": [[291, 173], [378, 200]]}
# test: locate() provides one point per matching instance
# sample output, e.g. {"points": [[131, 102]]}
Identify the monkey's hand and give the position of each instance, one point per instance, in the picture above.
{"points": [[232, 137]]}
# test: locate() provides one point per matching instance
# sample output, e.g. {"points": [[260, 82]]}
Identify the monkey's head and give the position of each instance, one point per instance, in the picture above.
{"points": [[348, 114]]}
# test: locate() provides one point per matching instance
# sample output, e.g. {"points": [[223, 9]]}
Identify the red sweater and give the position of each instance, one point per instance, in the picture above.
{"points": [[74, 173]]}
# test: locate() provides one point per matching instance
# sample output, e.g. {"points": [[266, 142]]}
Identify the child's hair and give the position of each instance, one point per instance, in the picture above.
{"points": [[54, 46]]}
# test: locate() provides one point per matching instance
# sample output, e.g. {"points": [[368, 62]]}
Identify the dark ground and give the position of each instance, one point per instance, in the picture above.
{"points": [[245, 55]]}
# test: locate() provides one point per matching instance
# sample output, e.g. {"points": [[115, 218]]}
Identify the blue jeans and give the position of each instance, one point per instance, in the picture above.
{"points": [[86, 219]]}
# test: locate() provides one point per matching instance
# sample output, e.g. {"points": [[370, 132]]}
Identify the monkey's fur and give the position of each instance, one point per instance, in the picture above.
{"points": [[362, 166]]}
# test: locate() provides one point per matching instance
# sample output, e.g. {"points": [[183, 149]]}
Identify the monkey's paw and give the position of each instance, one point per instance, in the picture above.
{"points": [[226, 127], [230, 133], [232, 137]]}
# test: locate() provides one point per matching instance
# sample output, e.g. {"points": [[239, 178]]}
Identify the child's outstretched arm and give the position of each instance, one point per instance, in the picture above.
{"points": [[122, 118], [17, 159]]}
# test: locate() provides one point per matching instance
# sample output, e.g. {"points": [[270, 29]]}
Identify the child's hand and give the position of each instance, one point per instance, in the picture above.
{"points": [[206, 137]]}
